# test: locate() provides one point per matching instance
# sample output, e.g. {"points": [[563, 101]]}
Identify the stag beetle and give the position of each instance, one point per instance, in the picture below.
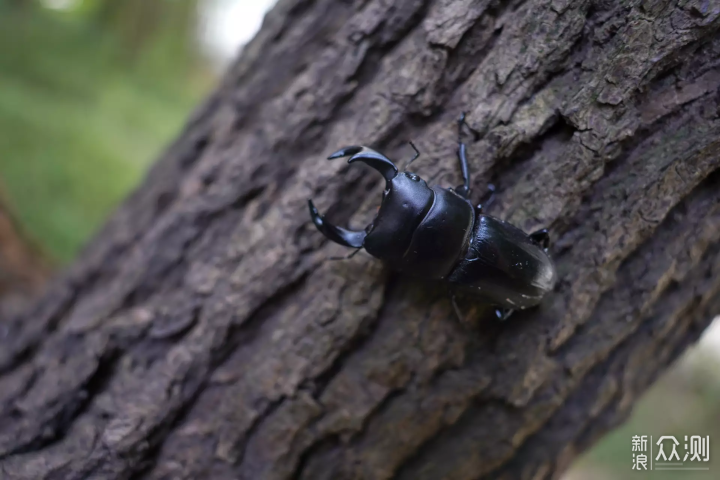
{"points": [[435, 233]]}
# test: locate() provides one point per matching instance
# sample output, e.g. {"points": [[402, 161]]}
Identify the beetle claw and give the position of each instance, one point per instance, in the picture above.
{"points": [[370, 157], [346, 151], [343, 236]]}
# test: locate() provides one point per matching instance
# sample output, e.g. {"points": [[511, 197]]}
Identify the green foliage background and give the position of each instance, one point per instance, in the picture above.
{"points": [[685, 401], [88, 98]]}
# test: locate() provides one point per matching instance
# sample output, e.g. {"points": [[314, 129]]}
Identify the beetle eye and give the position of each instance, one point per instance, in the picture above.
{"points": [[413, 177]]}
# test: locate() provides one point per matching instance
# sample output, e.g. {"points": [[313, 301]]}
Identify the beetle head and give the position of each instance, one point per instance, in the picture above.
{"points": [[406, 201]]}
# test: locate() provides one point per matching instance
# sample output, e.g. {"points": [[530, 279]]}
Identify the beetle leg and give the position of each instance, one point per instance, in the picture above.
{"points": [[455, 307], [541, 237], [461, 122], [464, 189], [503, 313], [346, 257]]}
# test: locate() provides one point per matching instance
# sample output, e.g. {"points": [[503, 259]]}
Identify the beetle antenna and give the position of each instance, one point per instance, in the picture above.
{"points": [[417, 154], [491, 196]]}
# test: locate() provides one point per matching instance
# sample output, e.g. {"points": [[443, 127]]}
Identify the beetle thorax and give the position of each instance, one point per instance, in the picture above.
{"points": [[406, 201]]}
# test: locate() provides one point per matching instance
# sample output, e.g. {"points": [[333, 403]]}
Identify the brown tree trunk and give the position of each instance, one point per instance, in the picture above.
{"points": [[202, 334], [23, 269]]}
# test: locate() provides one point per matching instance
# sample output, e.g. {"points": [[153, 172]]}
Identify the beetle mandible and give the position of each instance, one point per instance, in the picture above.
{"points": [[436, 233]]}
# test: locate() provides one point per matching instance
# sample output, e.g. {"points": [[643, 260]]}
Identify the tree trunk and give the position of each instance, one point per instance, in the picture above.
{"points": [[202, 334], [23, 269]]}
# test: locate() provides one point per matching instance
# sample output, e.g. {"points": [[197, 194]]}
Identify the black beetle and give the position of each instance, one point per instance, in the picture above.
{"points": [[435, 233]]}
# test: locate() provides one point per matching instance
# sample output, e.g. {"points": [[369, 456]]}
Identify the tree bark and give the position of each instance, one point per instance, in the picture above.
{"points": [[202, 334], [23, 269]]}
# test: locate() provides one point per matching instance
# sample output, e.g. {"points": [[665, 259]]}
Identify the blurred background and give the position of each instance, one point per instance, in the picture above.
{"points": [[91, 91]]}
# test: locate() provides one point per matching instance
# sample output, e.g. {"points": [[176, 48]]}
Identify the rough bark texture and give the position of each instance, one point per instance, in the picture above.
{"points": [[202, 334]]}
